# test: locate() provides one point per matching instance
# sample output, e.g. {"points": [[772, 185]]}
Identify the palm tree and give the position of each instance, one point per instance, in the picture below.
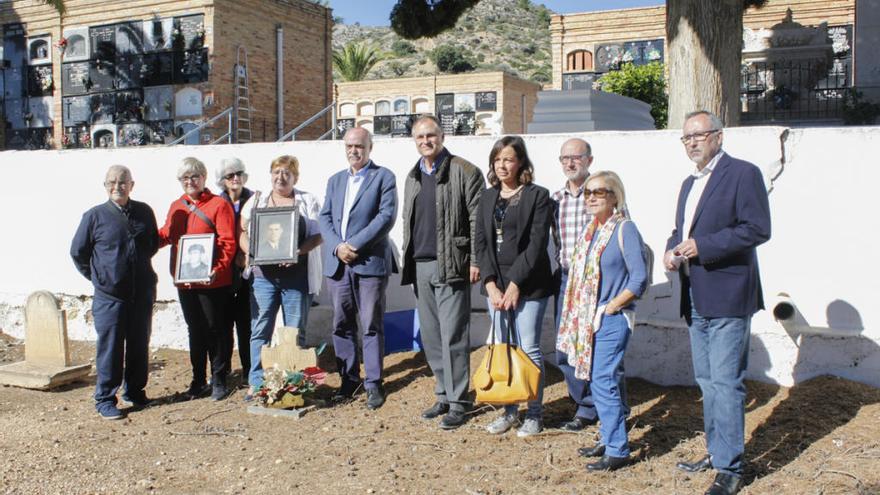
{"points": [[354, 61]]}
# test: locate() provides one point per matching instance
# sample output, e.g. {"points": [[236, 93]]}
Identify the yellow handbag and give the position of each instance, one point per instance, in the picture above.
{"points": [[506, 374]]}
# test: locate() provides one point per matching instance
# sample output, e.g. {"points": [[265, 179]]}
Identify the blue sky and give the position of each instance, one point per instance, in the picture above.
{"points": [[375, 12]]}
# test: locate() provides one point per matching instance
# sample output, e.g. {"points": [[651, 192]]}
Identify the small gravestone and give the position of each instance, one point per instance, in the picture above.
{"points": [[286, 353], [46, 355]]}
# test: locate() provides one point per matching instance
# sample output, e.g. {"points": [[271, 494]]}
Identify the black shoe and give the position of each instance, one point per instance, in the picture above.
{"points": [[703, 464], [453, 419], [577, 424], [725, 484], [197, 389], [438, 409], [608, 463], [136, 401], [375, 398], [346, 391], [597, 450], [219, 392]]}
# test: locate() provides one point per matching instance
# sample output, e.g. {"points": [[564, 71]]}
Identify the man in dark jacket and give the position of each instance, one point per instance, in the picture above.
{"points": [[440, 204], [112, 248]]}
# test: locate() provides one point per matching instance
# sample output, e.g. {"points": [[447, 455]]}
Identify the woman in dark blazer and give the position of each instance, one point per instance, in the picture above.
{"points": [[512, 232]]}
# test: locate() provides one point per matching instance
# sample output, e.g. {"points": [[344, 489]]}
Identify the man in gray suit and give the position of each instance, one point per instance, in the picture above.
{"points": [[439, 211], [359, 210]]}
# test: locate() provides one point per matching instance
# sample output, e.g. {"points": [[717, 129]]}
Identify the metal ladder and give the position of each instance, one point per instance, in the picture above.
{"points": [[241, 99]]}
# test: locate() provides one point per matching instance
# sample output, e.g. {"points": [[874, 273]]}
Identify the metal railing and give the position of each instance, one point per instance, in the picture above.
{"points": [[228, 136], [788, 91], [332, 132]]}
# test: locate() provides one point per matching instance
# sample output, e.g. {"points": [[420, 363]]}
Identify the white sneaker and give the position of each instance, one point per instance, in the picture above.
{"points": [[503, 423], [531, 426]]}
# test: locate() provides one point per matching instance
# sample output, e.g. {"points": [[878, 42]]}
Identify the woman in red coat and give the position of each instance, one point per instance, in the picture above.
{"points": [[205, 305]]}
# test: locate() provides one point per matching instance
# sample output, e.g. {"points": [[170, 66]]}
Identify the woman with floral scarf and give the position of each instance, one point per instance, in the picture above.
{"points": [[607, 275]]}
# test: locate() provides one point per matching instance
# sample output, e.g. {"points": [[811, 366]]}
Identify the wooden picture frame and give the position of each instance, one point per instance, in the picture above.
{"points": [[274, 235], [195, 255]]}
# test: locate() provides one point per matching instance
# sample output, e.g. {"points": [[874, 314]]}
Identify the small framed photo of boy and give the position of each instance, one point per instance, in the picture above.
{"points": [[274, 235], [195, 252]]}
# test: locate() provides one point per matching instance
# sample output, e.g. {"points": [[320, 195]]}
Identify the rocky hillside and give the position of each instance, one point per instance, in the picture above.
{"points": [[511, 35]]}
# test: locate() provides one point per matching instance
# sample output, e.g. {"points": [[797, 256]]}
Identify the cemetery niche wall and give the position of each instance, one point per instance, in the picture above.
{"points": [[117, 79]]}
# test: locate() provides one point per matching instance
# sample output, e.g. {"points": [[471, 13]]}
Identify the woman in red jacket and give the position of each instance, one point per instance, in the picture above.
{"points": [[205, 305]]}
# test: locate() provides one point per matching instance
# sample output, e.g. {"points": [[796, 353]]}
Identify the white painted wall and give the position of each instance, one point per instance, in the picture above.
{"points": [[819, 252]]}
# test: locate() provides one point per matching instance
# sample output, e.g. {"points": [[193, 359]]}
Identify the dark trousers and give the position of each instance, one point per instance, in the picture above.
{"points": [[444, 322], [240, 307], [207, 316], [123, 329], [358, 299]]}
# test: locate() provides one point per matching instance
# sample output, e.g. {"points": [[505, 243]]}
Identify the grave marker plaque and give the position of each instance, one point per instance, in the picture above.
{"points": [[103, 43], [464, 123], [15, 44], [77, 44], [129, 107], [343, 125], [129, 38], [158, 69], [131, 135], [27, 140], [76, 109], [15, 110], [160, 132], [102, 75], [608, 57], [40, 50], [401, 106], [41, 112], [103, 106], [129, 71], [401, 125], [188, 103], [75, 78], [73, 136], [189, 32], [157, 34], [382, 125], [191, 66], [40, 81], [159, 102], [465, 102], [486, 101], [445, 110], [15, 78]]}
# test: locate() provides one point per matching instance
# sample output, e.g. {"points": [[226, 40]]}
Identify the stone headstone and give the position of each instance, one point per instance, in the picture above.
{"points": [[867, 58], [47, 361], [286, 353], [78, 47]]}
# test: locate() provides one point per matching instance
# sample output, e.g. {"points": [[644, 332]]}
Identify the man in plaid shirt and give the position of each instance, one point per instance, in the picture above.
{"points": [[569, 217]]}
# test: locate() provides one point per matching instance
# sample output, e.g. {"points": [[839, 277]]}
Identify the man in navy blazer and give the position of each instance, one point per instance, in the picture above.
{"points": [[359, 210], [722, 216]]}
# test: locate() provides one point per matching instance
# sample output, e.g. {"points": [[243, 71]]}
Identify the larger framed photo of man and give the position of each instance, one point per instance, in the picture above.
{"points": [[194, 255], [274, 235]]}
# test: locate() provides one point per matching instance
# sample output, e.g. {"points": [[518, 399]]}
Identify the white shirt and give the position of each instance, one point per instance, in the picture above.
{"points": [[355, 181], [701, 178]]}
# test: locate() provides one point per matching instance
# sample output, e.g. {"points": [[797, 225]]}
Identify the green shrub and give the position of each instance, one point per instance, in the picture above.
{"points": [[452, 59], [642, 82]]}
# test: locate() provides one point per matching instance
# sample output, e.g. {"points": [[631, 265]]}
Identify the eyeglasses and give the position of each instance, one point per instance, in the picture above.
{"points": [[117, 183], [698, 137], [573, 158], [599, 192], [190, 178], [233, 174]]}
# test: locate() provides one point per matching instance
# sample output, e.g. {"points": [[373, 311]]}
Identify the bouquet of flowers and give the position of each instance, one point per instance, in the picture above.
{"points": [[285, 389]]}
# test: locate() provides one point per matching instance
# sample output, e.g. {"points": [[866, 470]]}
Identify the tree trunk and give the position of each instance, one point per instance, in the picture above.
{"points": [[704, 56]]}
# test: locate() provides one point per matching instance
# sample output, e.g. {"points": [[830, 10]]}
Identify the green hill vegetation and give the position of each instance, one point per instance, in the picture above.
{"points": [[508, 35]]}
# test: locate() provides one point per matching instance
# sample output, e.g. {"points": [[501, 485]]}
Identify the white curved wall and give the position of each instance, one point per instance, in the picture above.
{"points": [[821, 252]]}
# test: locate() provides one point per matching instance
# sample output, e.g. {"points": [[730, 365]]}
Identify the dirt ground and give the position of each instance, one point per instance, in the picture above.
{"points": [[822, 437]]}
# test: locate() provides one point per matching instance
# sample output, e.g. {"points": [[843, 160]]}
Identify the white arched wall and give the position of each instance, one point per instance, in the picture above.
{"points": [[821, 252]]}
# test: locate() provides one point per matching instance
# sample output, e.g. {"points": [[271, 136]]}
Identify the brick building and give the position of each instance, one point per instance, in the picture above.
{"points": [[141, 71], [487, 103], [586, 45]]}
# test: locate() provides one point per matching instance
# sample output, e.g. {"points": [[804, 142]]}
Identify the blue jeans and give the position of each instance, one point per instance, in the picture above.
{"points": [[529, 315], [720, 349], [267, 295], [609, 346], [579, 390]]}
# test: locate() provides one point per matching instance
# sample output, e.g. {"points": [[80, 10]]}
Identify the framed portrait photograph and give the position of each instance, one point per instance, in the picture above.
{"points": [[195, 252], [274, 235]]}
